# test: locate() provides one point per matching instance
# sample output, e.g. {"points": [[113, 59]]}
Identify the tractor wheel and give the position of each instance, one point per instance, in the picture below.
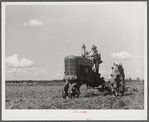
{"points": [[122, 88], [76, 91], [70, 94], [65, 90], [115, 92], [123, 92], [63, 94], [70, 91], [73, 91]]}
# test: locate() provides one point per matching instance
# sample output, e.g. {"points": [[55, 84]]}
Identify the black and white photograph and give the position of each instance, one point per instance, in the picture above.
{"points": [[74, 60]]}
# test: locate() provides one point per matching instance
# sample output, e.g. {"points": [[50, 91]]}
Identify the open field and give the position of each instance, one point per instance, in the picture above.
{"points": [[49, 96]]}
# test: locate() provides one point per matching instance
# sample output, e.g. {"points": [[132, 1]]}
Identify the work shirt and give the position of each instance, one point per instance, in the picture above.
{"points": [[95, 54]]}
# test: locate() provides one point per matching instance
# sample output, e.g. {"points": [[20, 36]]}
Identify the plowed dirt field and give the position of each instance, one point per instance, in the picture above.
{"points": [[43, 96]]}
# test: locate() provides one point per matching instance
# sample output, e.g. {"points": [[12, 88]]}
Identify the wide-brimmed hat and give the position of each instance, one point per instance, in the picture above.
{"points": [[94, 47]]}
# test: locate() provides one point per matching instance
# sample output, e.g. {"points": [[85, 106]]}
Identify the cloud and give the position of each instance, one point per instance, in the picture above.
{"points": [[33, 23], [13, 61], [122, 55]]}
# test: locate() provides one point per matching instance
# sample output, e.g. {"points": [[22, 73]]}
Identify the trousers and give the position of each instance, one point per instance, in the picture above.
{"points": [[96, 67]]}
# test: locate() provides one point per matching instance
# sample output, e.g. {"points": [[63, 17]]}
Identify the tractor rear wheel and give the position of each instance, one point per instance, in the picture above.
{"points": [[123, 90], [122, 87]]}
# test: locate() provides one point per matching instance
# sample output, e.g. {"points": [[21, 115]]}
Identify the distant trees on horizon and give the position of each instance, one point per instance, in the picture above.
{"points": [[137, 79]]}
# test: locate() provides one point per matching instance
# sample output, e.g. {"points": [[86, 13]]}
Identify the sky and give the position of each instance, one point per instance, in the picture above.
{"points": [[38, 37]]}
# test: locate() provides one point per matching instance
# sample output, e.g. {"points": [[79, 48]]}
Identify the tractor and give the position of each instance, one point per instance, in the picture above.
{"points": [[78, 71]]}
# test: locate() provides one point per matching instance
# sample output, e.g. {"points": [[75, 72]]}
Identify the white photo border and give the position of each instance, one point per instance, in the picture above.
{"points": [[70, 114]]}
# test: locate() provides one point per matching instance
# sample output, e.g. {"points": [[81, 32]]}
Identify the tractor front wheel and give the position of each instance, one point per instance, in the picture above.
{"points": [[65, 90], [74, 91]]}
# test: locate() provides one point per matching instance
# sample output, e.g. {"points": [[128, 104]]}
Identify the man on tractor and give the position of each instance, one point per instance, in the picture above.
{"points": [[96, 58]]}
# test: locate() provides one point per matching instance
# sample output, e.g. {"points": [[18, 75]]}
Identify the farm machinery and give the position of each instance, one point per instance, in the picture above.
{"points": [[117, 79], [79, 70]]}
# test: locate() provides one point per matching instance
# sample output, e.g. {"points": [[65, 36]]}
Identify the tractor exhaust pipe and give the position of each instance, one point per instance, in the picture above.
{"points": [[83, 51]]}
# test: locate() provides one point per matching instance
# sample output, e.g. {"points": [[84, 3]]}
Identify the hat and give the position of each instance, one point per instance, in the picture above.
{"points": [[93, 47]]}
